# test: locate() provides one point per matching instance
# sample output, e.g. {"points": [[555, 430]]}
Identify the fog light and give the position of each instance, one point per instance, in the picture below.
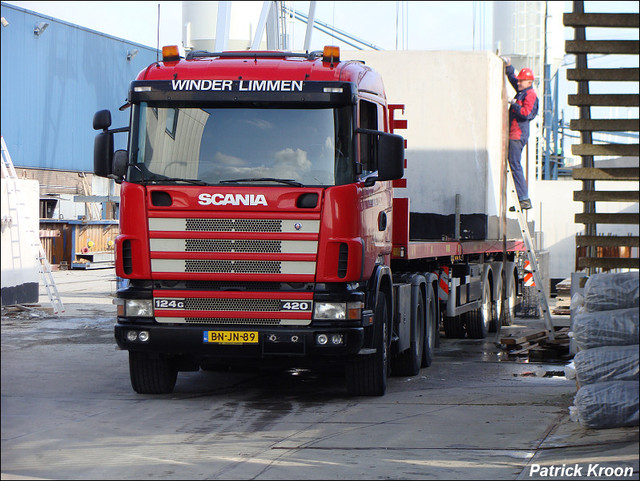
{"points": [[132, 336], [322, 339], [143, 336], [335, 338]]}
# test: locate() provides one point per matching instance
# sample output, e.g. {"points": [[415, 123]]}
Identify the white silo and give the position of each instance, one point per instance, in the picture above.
{"points": [[518, 33], [200, 22]]}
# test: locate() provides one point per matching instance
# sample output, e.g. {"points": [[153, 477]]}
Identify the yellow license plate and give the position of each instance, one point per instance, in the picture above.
{"points": [[230, 337]]}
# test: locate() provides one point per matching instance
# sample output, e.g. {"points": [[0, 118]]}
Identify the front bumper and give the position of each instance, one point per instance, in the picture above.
{"points": [[189, 341]]}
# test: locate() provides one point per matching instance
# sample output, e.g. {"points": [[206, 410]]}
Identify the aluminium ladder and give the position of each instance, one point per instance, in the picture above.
{"points": [[531, 254], [24, 227]]}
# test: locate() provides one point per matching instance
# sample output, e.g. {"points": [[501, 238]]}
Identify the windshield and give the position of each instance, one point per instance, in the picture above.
{"points": [[309, 146]]}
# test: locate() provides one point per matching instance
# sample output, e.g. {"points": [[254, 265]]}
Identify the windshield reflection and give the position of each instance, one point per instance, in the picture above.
{"points": [[305, 146]]}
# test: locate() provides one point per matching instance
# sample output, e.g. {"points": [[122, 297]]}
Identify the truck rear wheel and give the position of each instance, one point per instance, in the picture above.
{"points": [[478, 320], [497, 305], [408, 363], [367, 376], [433, 328], [509, 308], [151, 373]]}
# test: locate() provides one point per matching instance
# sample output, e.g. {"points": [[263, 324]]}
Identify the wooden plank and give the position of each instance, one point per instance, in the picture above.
{"points": [[606, 218], [629, 150], [616, 47], [606, 173], [616, 20], [604, 100], [609, 262], [606, 196], [523, 339], [605, 125], [608, 240], [604, 74]]}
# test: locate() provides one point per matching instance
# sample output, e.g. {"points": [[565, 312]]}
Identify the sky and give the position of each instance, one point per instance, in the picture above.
{"points": [[390, 25], [416, 25]]}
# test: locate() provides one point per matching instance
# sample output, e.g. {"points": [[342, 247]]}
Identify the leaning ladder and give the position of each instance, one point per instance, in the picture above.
{"points": [[531, 254], [18, 210]]}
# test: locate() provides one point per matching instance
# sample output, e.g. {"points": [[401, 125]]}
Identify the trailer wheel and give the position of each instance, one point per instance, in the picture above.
{"points": [[497, 305], [453, 327], [408, 363], [478, 320], [367, 376], [151, 373], [433, 327], [509, 309]]}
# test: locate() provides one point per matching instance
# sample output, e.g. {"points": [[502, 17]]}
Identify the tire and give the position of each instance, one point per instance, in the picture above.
{"points": [[497, 304], [478, 320], [408, 363], [454, 327], [509, 305], [151, 373], [432, 330], [367, 376]]}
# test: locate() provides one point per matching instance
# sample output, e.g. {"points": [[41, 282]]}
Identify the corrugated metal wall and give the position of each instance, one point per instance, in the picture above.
{"points": [[52, 84]]}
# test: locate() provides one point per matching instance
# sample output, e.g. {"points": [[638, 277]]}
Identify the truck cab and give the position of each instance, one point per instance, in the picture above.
{"points": [[255, 216]]}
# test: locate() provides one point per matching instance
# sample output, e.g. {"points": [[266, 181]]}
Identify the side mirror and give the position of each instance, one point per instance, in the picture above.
{"points": [[103, 154], [390, 156], [102, 120], [120, 161]]}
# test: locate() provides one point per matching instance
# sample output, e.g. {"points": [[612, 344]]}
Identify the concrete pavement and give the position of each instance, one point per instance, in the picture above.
{"points": [[68, 412]]}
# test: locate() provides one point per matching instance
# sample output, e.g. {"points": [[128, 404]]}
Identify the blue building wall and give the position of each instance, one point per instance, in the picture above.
{"points": [[52, 85]]}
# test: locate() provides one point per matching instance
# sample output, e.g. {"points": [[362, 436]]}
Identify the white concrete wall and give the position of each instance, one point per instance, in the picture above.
{"points": [[456, 133], [19, 259]]}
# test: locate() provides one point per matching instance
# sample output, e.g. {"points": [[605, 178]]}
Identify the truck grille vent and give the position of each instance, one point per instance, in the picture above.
{"points": [[237, 267], [268, 305], [127, 258], [230, 245], [233, 286], [234, 225], [343, 260], [232, 320]]}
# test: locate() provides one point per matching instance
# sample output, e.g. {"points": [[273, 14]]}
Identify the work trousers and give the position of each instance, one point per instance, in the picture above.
{"points": [[515, 154]]}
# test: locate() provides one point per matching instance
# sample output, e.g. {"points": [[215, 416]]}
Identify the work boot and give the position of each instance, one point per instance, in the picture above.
{"points": [[525, 204]]}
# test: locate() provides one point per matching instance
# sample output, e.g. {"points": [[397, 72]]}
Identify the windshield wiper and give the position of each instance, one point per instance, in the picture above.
{"points": [[174, 179], [264, 179]]}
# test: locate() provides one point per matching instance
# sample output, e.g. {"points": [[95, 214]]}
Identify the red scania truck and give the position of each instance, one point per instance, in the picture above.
{"points": [[258, 226]]}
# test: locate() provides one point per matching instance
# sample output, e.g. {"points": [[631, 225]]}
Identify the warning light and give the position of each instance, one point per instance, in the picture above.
{"points": [[170, 53], [331, 54]]}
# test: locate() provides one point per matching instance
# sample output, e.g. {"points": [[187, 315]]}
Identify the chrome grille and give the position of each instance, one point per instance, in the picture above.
{"points": [[237, 267], [232, 321], [200, 304], [234, 225], [231, 245]]}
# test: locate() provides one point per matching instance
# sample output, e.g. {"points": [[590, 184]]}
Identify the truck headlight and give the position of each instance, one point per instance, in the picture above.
{"points": [[138, 307], [337, 310]]}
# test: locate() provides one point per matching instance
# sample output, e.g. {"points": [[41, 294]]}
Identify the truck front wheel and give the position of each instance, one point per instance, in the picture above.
{"points": [[367, 375], [151, 373]]}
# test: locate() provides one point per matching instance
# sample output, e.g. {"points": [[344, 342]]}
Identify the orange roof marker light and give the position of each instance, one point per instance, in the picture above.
{"points": [[331, 54], [170, 53]]}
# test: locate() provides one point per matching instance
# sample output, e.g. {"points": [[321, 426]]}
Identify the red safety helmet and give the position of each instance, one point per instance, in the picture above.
{"points": [[526, 74]]}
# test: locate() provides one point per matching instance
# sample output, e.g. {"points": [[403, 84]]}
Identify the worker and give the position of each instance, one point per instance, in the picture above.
{"points": [[522, 110]]}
